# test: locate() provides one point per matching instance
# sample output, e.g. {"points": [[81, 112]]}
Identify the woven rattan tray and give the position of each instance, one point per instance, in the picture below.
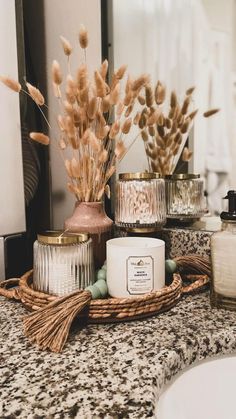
{"points": [[102, 310], [51, 317]]}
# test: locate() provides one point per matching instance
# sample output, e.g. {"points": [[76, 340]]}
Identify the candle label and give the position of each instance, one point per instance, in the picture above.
{"points": [[139, 274]]}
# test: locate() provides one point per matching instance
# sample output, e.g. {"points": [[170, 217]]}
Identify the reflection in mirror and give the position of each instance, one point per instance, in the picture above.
{"points": [[186, 43]]}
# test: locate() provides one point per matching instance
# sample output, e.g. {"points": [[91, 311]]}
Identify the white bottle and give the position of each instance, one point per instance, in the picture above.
{"points": [[223, 256]]}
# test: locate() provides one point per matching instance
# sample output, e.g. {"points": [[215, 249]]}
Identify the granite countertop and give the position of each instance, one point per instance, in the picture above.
{"points": [[107, 371]]}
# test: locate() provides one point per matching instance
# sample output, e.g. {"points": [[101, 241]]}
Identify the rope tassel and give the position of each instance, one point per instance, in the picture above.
{"points": [[49, 326], [194, 263]]}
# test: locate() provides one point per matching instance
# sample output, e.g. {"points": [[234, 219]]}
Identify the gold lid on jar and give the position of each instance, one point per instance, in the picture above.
{"points": [[60, 237], [182, 176], [139, 176]]}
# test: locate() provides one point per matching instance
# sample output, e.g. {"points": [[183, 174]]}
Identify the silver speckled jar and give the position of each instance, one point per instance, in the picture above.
{"points": [[140, 202], [185, 199], [63, 262]]}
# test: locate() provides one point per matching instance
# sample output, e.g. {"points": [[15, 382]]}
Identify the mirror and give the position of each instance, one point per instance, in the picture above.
{"points": [[186, 43]]}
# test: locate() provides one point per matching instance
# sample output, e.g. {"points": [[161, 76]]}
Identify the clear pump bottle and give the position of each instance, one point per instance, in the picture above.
{"points": [[223, 256]]}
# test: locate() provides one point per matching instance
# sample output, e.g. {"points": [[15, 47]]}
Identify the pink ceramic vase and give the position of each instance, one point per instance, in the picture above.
{"points": [[90, 217]]}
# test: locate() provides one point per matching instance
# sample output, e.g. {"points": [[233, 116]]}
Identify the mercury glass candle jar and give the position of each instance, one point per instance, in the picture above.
{"points": [[140, 202], [63, 262], [185, 199]]}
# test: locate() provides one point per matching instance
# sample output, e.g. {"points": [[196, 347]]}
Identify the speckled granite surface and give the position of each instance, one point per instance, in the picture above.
{"points": [[185, 241], [180, 241], [107, 371]]}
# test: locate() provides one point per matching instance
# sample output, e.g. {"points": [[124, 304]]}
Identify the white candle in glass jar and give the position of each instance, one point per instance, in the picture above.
{"points": [[135, 266]]}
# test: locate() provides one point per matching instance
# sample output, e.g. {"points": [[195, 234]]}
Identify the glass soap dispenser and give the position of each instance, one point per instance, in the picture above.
{"points": [[223, 256]]}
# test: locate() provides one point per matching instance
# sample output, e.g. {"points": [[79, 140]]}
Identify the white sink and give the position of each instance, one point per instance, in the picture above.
{"points": [[207, 390]]}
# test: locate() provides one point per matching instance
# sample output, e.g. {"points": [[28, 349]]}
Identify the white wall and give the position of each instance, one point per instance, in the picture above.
{"points": [[12, 207], [64, 18], [222, 19], [164, 39]]}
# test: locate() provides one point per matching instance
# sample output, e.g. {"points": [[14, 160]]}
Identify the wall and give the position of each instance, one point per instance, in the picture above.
{"points": [[222, 18], [12, 207], [162, 38], [64, 18]]}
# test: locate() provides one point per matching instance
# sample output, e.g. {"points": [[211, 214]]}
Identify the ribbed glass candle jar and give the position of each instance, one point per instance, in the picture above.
{"points": [[63, 262], [140, 202], [185, 196]]}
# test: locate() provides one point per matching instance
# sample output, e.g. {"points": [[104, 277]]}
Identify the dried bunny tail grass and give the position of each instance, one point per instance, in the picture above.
{"points": [[187, 154], [83, 37], [210, 112], [149, 96], [102, 132], [114, 94], [68, 108], [100, 118], [56, 90], [82, 77], [115, 128], [100, 194], [161, 120], [61, 123], [151, 130], [144, 135], [103, 156], [56, 72], [100, 85], [141, 100], [85, 137], [128, 85], [168, 123], [75, 168], [173, 99], [119, 109], [12, 84], [185, 105], [120, 72], [106, 106], [35, 94], [153, 118], [160, 93], [185, 126], [120, 150], [137, 118], [94, 142], [126, 126], [140, 82], [92, 108], [142, 121], [193, 114], [129, 110], [128, 98], [190, 91], [66, 46], [104, 69], [71, 83], [39, 137]]}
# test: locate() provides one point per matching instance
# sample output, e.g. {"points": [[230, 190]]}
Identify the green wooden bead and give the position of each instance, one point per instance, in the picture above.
{"points": [[95, 291], [101, 274], [102, 286], [170, 266], [104, 267]]}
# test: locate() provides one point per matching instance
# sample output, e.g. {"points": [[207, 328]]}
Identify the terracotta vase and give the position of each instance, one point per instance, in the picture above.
{"points": [[90, 217]]}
